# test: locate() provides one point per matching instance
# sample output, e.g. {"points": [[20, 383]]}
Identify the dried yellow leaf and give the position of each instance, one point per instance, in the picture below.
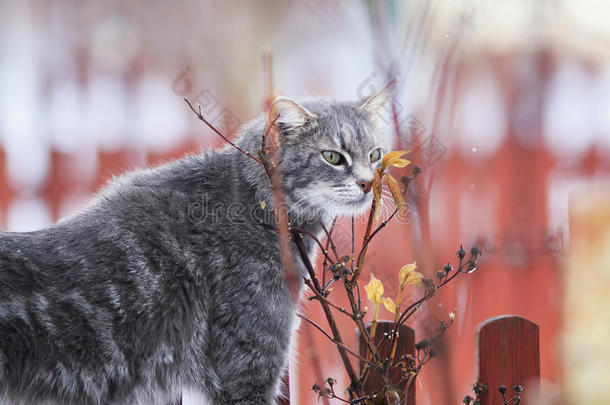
{"points": [[388, 303], [394, 189], [394, 159], [263, 204], [408, 275], [374, 290], [377, 194]]}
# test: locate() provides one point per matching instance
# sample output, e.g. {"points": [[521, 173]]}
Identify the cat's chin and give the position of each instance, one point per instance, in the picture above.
{"points": [[333, 209], [351, 208]]}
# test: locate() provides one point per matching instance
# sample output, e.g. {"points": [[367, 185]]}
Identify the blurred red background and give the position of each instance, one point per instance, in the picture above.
{"points": [[510, 112]]}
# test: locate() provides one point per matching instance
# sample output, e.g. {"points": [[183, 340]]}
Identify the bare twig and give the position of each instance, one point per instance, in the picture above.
{"points": [[332, 339], [329, 317], [329, 239], [213, 128], [316, 240], [319, 296]]}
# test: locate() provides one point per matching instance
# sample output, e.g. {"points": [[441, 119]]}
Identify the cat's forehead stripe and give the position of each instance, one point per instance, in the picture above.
{"points": [[347, 135], [336, 134]]}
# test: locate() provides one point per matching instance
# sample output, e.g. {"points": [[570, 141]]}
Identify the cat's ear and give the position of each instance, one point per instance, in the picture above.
{"points": [[376, 102], [288, 113]]}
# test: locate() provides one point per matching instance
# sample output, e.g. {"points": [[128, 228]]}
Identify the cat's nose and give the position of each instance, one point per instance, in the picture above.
{"points": [[365, 185]]}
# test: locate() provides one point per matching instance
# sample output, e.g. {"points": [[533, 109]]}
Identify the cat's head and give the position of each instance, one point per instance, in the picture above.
{"points": [[329, 152]]}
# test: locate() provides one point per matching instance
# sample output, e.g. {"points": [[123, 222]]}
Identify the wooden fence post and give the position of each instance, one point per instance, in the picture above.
{"points": [[406, 345], [507, 352]]}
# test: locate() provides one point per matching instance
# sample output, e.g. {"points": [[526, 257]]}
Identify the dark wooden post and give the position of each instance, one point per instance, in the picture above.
{"points": [[406, 345], [507, 353], [285, 399]]}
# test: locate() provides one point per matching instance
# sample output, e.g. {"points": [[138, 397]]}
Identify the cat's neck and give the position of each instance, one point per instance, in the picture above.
{"points": [[265, 200], [254, 174]]}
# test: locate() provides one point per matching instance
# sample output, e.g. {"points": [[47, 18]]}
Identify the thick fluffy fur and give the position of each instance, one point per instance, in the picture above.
{"points": [[167, 281]]}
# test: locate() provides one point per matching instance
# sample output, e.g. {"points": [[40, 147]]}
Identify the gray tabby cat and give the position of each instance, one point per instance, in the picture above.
{"points": [[167, 282]]}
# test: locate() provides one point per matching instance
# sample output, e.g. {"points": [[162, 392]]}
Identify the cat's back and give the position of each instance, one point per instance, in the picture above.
{"points": [[81, 298], [151, 217]]}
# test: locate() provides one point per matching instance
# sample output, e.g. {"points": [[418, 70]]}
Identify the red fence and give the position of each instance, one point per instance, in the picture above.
{"points": [[507, 354]]}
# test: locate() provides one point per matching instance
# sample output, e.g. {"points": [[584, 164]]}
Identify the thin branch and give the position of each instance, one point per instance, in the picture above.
{"points": [[367, 233], [404, 316], [364, 332], [333, 340], [349, 368], [319, 296], [266, 164], [316, 240], [325, 263], [213, 128], [352, 244], [411, 309], [329, 238]]}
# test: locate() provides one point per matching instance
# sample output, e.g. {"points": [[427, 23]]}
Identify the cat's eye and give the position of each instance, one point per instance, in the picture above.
{"points": [[332, 157], [375, 155]]}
